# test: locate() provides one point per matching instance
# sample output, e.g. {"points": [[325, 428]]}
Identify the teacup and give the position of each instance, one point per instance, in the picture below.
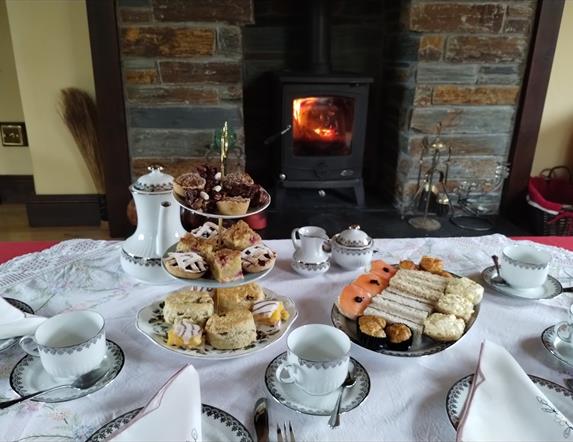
{"points": [[69, 344], [317, 359], [524, 267]]}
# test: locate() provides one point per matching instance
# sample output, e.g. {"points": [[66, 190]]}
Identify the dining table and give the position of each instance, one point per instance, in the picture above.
{"points": [[407, 397]]}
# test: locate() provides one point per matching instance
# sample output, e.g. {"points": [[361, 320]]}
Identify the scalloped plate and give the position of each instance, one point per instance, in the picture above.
{"points": [[5, 344], [150, 322]]}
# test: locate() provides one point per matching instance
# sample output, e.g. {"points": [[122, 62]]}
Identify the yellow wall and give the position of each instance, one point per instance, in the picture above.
{"points": [[555, 141], [13, 160], [52, 51]]}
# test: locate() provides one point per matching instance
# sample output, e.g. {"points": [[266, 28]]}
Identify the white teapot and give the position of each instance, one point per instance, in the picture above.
{"points": [[158, 227], [352, 248]]}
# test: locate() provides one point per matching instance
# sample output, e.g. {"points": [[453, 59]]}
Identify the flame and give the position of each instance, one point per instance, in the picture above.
{"points": [[316, 119]]}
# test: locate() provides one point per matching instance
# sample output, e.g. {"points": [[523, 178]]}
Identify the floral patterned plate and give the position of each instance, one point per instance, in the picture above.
{"points": [[28, 376], [296, 399], [217, 425], [150, 322], [560, 397], [5, 344]]}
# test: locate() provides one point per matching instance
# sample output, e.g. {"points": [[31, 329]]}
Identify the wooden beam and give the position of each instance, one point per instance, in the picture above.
{"points": [[112, 128], [532, 100]]}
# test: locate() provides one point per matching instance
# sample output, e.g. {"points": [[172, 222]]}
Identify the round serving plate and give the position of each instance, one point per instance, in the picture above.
{"points": [[560, 397], [150, 322], [422, 345], [550, 289], [210, 283], [558, 348], [251, 211], [216, 425], [5, 344]]}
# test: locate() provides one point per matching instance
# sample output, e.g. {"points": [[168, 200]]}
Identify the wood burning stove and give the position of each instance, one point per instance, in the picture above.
{"points": [[322, 120]]}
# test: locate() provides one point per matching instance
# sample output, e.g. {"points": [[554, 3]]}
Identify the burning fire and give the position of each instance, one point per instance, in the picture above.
{"points": [[317, 119]]}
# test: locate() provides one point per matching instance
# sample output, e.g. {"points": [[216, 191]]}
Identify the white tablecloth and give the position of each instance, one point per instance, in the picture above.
{"points": [[407, 399]]}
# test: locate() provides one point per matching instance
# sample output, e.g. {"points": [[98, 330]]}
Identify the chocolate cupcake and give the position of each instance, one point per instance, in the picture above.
{"points": [[399, 336], [371, 332]]}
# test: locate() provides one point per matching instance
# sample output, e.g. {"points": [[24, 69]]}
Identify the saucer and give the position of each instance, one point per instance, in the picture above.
{"points": [[291, 396], [550, 289], [5, 344], [560, 349], [28, 376], [309, 269]]}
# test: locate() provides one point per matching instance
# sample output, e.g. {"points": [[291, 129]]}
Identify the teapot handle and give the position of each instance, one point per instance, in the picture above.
{"points": [[295, 240]]}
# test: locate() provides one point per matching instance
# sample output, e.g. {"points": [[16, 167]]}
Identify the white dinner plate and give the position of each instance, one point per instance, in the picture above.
{"points": [[211, 283], [291, 396], [150, 322], [216, 425], [561, 397], [5, 344], [251, 211], [558, 348], [550, 289]]}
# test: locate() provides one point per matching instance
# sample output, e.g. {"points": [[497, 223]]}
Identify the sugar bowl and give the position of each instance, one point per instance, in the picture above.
{"points": [[352, 248]]}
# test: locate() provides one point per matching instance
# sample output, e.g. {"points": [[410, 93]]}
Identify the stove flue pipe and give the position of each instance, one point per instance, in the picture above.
{"points": [[319, 35]]}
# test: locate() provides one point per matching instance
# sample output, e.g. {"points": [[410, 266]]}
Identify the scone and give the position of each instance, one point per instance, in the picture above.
{"points": [[188, 181], [467, 288], [240, 236], [257, 258], [188, 265], [191, 243], [242, 297], [431, 264], [232, 330], [185, 334], [226, 265], [233, 205], [452, 304], [196, 306], [444, 327], [269, 313]]}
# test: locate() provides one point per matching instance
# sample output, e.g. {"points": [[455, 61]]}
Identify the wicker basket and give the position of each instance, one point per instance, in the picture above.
{"points": [[543, 221]]}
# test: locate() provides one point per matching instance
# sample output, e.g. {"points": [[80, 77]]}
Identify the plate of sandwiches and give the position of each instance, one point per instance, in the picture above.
{"points": [[215, 257], [207, 192], [409, 309], [222, 323]]}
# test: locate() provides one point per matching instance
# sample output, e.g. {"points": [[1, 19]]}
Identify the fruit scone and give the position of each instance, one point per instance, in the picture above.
{"points": [[197, 306], [232, 330]]}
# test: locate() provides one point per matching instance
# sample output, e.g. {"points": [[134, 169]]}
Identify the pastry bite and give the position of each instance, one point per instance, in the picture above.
{"points": [[408, 265], [371, 331], [197, 306], [188, 182], [238, 184], [443, 327], [467, 288], [371, 282], [240, 236], [188, 265], [208, 230], [258, 258], [454, 304], [352, 301], [226, 265], [185, 334], [241, 297], [192, 243], [269, 313], [431, 264], [399, 336], [232, 330], [233, 205]]}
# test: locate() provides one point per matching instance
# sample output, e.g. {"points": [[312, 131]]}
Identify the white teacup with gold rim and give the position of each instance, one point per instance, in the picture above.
{"points": [[524, 267], [317, 359], [69, 344]]}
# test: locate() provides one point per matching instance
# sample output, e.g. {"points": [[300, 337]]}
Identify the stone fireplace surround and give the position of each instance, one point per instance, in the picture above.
{"points": [[190, 65]]}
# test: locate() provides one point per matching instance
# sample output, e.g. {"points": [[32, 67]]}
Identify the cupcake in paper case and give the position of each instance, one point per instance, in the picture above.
{"points": [[399, 336], [371, 332]]}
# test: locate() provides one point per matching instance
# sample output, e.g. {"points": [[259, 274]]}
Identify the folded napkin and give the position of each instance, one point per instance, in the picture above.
{"points": [[505, 405], [14, 322], [174, 413]]}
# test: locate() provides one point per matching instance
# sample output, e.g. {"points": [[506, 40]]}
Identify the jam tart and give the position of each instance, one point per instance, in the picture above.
{"points": [[257, 258]]}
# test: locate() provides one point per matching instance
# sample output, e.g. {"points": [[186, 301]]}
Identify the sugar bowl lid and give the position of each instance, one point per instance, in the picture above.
{"points": [[353, 238], [154, 182]]}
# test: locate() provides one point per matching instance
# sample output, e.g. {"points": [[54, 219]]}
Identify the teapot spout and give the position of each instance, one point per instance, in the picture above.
{"points": [[163, 236]]}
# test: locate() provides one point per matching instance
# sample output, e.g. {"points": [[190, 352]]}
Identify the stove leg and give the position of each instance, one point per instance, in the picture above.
{"points": [[359, 193]]}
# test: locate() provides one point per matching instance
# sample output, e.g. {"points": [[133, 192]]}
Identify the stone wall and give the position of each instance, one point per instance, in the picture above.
{"points": [[463, 66], [182, 66]]}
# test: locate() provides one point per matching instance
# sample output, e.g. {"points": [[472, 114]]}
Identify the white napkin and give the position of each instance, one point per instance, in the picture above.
{"points": [[505, 405], [14, 322], [174, 413]]}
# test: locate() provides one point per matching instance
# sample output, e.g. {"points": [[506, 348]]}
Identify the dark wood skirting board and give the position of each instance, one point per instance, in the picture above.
{"points": [[64, 210], [112, 128], [16, 188], [530, 111]]}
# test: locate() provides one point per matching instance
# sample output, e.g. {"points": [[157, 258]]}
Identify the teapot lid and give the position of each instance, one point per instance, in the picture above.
{"points": [[353, 237], [154, 182]]}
